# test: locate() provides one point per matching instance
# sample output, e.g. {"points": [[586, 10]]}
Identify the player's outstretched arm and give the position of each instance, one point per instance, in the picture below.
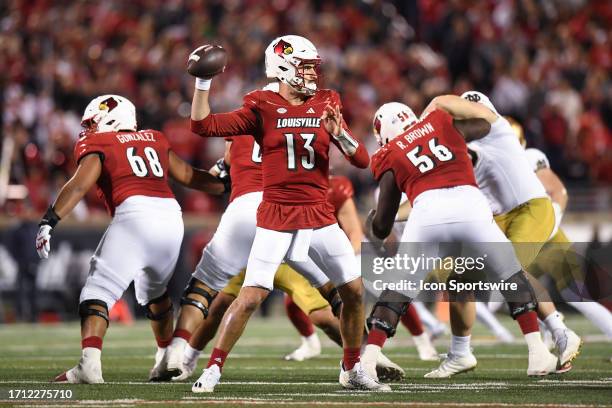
{"points": [[388, 204], [86, 175], [460, 108], [472, 129], [192, 177]]}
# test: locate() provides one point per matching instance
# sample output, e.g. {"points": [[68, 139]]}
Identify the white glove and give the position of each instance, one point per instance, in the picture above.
{"points": [[43, 240]]}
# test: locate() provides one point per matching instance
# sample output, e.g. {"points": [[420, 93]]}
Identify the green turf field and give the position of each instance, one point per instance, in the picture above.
{"points": [[255, 374]]}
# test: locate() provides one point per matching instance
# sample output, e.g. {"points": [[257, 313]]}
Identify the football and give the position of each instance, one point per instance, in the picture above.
{"points": [[207, 61]]}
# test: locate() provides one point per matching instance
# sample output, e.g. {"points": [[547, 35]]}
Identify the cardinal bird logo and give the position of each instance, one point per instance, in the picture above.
{"points": [[108, 104], [283, 48]]}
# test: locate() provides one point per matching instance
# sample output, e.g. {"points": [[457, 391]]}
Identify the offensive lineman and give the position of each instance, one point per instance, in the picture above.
{"points": [[521, 209], [142, 243], [294, 128], [429, 162]]}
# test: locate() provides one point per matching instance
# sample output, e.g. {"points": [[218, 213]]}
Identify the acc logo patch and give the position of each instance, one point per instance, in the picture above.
{"points": [[281, 110]]}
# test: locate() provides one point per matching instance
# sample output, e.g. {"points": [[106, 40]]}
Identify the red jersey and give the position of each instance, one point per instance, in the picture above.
{"points": [[430, 154], [133, 163], [340, 190], [295, 150], [245, 166]]}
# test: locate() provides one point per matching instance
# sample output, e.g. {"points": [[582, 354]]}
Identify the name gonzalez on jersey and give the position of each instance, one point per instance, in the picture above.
{"points": [[136, 137], [298, 123]]}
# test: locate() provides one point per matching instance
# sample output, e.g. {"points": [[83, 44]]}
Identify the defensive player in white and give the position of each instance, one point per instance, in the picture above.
{"points": [[595, 312], [142, 243], [524, 213]]}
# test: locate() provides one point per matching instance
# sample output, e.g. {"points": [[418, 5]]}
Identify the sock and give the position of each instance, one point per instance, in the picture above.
{"points": [[412, 321], [554, 322], [460, 345], [351, 357], [183, 334], [217, 357], [163, 343], [191, 354], [528, 322], [599, 315], [488, 319], [377, 337], [299, 319], [92, 342], [535, 343]]}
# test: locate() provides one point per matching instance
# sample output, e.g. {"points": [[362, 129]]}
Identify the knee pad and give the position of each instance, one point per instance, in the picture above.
{"points": [[334, 300], [191, 288], [161, 315], [387, 311], [85, 310], [521, 300]]}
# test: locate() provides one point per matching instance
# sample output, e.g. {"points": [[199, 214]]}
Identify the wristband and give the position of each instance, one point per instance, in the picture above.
{"points": [[203, 84], [50, 218]]}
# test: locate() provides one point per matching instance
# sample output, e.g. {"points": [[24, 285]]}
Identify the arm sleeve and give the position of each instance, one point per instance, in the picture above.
{"points": [[242, 121]]}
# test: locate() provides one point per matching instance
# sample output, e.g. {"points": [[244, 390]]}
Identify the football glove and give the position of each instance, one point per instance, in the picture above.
{"points": [[223, 173], [43, 237]]}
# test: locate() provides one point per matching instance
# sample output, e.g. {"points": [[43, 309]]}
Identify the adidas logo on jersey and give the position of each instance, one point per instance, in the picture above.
{"points": [[310, 110], [298, 123]]}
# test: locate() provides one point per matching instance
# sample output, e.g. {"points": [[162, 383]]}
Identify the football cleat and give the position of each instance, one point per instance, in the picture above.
{"points": [[208, 380], [542, 363], [158, 372], [311, 347], [358, 379], [86, 372], [369, 359], [175, 353], [189, 368], [567, 345], [453, 365], [387, 370], [425, 348]]}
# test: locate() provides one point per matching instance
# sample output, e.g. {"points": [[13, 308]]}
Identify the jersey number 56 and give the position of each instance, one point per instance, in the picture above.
{"points": [[425, 162]]}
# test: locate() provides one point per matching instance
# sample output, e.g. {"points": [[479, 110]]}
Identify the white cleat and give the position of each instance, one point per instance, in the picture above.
{"points": [[453, 365], [311, 347], [208, 380], [175, 353], [189, 368], [358, 379], [387, 370], [369, 359], [86, 372], [156, 373], [542, 363], [425, 348], [567, 345]]}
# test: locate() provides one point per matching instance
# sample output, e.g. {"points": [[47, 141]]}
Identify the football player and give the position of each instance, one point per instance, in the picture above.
{"points": [[599, 315], [131, 170], [301, 295], [522, 210], [430, 163], [295, 222]]}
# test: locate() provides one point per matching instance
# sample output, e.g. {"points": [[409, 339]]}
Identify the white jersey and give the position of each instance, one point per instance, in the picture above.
{"points": [[537, 159], [502, 170]]}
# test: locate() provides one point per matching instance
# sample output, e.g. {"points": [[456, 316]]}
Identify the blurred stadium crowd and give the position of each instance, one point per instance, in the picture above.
{"points": [[547, 63]]}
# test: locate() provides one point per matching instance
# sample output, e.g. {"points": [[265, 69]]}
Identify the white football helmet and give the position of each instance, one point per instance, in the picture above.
{"points": [[285, 58], [109, 113], [391, 120], [475, 96]]}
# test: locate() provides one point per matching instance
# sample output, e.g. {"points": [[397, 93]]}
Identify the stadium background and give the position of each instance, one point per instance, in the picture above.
{"points": [[546, 63]]}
